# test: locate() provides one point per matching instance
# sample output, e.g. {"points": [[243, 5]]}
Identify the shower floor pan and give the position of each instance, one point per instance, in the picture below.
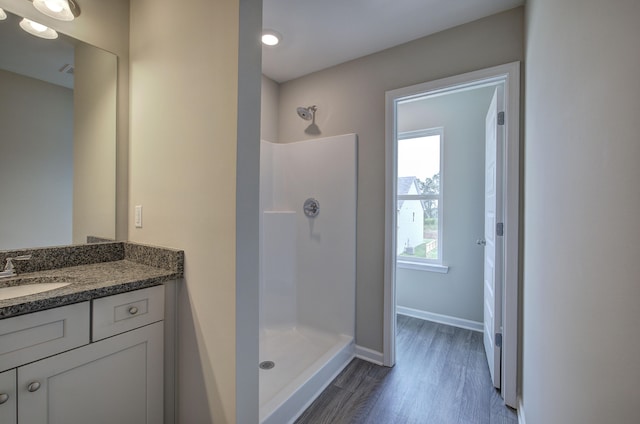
{"points": [[306, 361]]}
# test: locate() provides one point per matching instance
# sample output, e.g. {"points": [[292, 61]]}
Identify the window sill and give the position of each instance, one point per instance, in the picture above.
{"points": [[441, 269]]}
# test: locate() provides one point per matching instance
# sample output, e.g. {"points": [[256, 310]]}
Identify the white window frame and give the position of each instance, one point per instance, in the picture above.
{"points": [[424, 264]]}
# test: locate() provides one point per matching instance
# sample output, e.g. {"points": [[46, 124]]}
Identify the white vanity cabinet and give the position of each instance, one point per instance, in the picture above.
{"points": [[116, 376]]}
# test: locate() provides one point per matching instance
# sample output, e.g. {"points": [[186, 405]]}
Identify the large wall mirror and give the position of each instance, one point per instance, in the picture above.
{"points": [[57, 140]]}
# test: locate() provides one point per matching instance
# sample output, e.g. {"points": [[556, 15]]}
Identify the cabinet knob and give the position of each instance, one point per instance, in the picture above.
{"points": [[3, 398], [133, 310], [33, 387]]}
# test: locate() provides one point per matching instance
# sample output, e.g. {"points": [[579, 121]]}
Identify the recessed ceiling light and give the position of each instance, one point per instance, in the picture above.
{"points": [[3, 15], [63, 10], [271, 38], [39, 30]]}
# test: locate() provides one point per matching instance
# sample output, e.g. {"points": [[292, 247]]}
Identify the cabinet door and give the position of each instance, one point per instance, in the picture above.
{"points": [[8, 404], [117, 380]]}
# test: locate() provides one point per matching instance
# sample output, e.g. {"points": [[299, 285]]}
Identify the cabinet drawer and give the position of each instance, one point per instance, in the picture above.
{"points": [[123, 312], [27, 338]]}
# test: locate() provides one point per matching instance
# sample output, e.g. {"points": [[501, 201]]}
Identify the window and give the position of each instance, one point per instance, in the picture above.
{"points": [[419, 198]]}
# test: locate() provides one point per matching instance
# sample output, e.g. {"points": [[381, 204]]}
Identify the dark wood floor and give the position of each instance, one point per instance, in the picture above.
{"points": [[441, 376]]}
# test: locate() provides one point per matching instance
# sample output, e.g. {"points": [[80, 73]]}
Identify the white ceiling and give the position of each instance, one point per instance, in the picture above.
{"points": [[318, 34]]}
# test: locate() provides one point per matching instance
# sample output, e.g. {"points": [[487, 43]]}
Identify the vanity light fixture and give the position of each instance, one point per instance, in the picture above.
{"points": [[3, 15], [63, 10], [271, 38], [39, 30]]}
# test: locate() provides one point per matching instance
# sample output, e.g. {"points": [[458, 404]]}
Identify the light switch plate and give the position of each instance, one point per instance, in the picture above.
{"points": [[138, 218]]}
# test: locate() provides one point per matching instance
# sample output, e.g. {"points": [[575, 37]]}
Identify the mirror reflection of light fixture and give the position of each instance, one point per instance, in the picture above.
{"points": [[3, 15], [63, 10], [37, 29]]}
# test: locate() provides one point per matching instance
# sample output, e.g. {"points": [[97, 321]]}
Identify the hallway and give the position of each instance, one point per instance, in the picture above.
{"points": [[441, 377]]}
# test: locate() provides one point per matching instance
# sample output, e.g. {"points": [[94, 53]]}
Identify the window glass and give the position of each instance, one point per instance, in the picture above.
{"points": [[419, 198]]}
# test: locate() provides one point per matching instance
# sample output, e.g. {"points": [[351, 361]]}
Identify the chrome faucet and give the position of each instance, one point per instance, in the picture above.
{"points": [[9, 269]]}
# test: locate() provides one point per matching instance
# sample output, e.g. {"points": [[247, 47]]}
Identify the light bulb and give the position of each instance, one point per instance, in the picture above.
{"points": [[54, 5], [38, 27], [270, 38]]}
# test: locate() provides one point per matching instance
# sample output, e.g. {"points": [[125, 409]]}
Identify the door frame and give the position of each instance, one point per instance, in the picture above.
{"points": [[509, 74]]}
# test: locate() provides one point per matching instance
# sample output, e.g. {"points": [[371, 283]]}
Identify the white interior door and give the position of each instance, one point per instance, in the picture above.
{"points": [[493, 246]]}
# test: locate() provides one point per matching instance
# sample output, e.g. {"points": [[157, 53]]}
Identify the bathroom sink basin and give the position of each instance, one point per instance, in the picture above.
{"points": [[24, 286]]}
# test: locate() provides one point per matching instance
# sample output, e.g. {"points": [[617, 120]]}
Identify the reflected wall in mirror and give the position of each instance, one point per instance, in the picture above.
{"points": [[57, 140]]}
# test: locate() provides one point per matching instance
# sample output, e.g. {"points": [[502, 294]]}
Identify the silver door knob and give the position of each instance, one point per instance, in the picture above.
{"points": [[33, 387], [133, 310], [3, 398], [481, 242]]}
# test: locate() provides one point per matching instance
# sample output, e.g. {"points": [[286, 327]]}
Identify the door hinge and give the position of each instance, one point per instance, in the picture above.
{"points": [[500, 229], [500, 118], [498, 340]]}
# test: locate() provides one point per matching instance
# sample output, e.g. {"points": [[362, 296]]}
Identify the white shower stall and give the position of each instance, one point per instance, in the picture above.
{"points": [[308, 263]]}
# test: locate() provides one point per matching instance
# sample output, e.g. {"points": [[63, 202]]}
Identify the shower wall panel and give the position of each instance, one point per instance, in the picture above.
{"points": [[325, 246], [267, 153], [325, 170], [279, 270]]}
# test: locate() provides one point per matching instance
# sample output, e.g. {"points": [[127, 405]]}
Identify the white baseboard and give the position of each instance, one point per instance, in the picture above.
{"points": [[441, 319], [369, 355], [520, 412]]}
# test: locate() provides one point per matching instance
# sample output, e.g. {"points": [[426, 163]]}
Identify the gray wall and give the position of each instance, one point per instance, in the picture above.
{"points": [[459, 293], [351, 99], [582, 197], [36, 162]]}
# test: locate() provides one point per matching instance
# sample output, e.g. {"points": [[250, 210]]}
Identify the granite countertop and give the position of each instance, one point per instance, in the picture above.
{"points": [[91, 281]]}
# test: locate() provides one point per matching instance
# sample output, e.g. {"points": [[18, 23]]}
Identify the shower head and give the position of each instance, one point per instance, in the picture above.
{"points": [[307, 113]]}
